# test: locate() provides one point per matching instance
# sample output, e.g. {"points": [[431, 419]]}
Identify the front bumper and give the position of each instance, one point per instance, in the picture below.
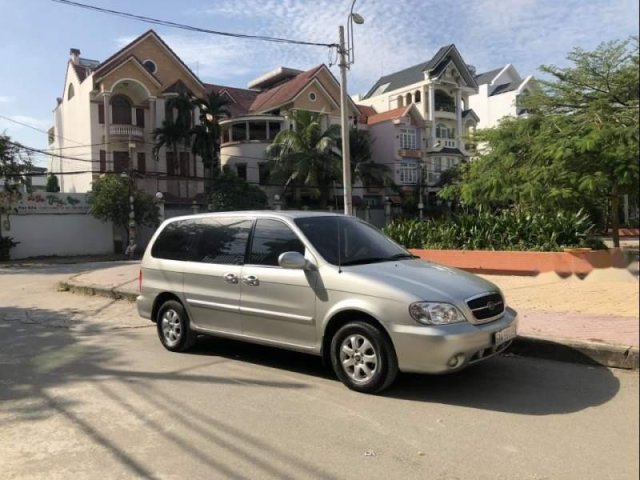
{"points": [[447, 348]]}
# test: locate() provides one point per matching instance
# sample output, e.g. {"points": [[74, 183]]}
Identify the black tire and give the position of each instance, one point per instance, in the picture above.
{"points": [[172, 324], [351, 368]]}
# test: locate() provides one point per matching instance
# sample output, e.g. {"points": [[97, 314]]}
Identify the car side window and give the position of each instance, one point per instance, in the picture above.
{"points": [[272, 238], [176, 240], [222, 240]]}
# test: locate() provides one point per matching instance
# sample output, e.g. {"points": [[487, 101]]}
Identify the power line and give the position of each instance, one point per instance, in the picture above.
{"points": [[167, 23], [35, 128]]}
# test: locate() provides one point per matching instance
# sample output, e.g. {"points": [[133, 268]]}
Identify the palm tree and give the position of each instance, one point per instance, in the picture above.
{"points": [[307, 155], [183, 105], [169, 135], [363, 168], [206, 136]]}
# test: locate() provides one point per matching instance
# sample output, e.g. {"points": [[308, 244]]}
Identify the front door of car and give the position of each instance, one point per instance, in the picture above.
{"points": [[212, 279], [278, 304]]}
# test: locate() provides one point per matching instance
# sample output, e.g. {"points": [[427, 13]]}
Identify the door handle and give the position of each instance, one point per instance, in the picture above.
{"points": [[231, 278], [251, 280]]}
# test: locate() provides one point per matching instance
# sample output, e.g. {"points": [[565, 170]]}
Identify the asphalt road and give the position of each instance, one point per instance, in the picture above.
{"points": [[87, 391]]}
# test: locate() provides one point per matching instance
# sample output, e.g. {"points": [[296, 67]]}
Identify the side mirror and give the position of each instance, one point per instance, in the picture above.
{"points": [[294, 261]]}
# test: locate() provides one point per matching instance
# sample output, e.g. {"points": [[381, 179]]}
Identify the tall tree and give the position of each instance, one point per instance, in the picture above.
{"points": [[578, 146], [170, 135], [363, 168], [180, 110], [307, 155], [206, 136], [13, 165]]}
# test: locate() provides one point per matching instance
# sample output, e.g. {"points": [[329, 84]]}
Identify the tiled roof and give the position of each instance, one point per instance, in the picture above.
{"points": [[504, 88], [470, 113], [388, 115], [486, 77], [82, 72], [365, 113], [283, 93], [450, 151], [241, 98], [412, 74]]}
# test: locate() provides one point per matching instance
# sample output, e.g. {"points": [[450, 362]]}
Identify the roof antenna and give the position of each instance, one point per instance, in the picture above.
{"points": [[339, 259]]}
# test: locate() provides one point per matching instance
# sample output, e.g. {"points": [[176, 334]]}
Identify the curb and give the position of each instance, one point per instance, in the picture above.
{"points": [[97, 290], [575, 351], [562, 350]]}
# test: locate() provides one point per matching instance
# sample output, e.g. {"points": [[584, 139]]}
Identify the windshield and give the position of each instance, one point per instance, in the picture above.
{"points": [[359, 242]]}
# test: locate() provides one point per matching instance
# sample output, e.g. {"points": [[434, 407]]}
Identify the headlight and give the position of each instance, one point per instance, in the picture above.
{"points": [[431, 313]]}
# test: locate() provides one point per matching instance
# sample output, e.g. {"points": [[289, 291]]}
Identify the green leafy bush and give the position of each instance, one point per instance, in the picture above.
{"points": [[6, 244], [507, 230], [230, 192]]}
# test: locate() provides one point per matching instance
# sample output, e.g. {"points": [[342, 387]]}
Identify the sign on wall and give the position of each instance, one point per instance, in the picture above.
{"points": [[45, 202]]}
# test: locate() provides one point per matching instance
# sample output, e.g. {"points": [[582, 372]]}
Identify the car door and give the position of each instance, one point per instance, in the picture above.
{"points": [[278, 304], [212, 279]]}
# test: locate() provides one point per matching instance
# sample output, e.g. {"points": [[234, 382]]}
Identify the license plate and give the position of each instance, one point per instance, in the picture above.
{"points": [[505, 335]]}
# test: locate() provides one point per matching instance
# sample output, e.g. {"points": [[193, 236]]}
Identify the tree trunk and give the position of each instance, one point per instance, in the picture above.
{"points": [[615, 217]]}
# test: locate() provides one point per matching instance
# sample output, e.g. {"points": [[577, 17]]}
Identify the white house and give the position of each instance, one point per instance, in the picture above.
{"points": [[499, 91]]}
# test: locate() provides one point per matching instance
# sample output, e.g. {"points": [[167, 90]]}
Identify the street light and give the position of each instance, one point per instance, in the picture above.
{"points": [[346, 60]]}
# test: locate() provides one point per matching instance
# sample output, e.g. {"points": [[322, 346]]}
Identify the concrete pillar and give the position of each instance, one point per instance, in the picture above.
{"points": [[432, 114], [106, 97], [459, 117]]}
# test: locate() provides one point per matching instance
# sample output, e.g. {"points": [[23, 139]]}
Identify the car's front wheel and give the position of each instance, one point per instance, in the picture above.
{"points": [[363, 358], [173, 327]]}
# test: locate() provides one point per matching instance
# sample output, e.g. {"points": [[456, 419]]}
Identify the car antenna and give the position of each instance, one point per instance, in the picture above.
{"points": [[339, 262]]}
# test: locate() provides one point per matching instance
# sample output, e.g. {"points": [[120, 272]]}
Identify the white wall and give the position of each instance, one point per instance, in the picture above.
{"points": [[59, 234]]}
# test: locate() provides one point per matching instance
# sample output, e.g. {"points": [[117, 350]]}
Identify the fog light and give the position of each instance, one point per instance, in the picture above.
{"points": [[456, 360]]}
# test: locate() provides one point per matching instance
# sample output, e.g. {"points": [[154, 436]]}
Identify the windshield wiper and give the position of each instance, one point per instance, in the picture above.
{"points": [[400, 256]]}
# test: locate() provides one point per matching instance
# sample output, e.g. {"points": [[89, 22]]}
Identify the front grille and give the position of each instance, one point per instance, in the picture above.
{"points": [[486, 306]]}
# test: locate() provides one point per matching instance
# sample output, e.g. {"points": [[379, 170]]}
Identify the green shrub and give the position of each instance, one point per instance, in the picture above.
{"points": [[230, 192], [6, 244], [507, 230]]}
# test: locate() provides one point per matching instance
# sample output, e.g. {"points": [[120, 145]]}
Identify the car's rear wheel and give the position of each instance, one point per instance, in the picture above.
{"points": [[363, 358], [173, 327]]}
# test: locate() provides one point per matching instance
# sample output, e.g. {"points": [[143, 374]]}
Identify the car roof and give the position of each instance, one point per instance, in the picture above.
{"points": [[290, 214]]}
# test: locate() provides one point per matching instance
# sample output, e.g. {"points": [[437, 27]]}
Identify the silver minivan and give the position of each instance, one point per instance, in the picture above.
{"points": [[320, 283]]}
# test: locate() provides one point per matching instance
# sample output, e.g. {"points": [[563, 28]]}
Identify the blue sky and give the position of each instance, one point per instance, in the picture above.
{"points": [[36, 36]]}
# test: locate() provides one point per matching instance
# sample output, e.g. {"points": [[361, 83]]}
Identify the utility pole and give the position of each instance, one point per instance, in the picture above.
{"points": [[346, 156], [420, 203], [132, 214]]}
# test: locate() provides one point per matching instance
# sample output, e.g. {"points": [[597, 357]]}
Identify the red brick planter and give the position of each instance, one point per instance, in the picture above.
{"points": [[577, 261]]}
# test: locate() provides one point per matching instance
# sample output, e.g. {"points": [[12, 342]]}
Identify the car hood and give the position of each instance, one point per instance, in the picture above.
{"points": [[422, 279]]}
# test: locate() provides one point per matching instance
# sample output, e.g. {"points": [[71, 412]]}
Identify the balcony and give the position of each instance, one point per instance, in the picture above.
{"points": [[126, 131], [409, 153]]}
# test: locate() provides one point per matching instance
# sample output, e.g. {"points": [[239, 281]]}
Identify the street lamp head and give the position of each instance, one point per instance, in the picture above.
{"points": [[357, 18], [159, 196], [124, 174]]}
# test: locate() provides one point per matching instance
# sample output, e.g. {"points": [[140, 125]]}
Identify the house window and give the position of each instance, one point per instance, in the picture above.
{"points": [[239, 132], [400, 101], [274, 129], [142, 163], [444, 102], [408, 99], [101, 114], [241, 170], [171, 164], [70, 92], [257, 131], [312, 96], [417, 96], [120, 162], [437, 164], [121, 110], [140, 117], [408, 138], [442, 131], [103, 161], [408, 173], [263, 173], [184, 164], [150, 66]]}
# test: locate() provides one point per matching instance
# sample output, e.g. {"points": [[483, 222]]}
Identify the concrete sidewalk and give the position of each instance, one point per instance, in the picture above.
{"points": [[594, 320]]}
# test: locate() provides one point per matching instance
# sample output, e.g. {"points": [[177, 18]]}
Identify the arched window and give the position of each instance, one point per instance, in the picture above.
{"points": [[70, 92], [121, 110], [408, 99], [400, 101], [441, 131], [417, 96]]}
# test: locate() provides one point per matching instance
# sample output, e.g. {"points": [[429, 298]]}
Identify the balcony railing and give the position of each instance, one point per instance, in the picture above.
{"points": [[410, 153], [445, 107], [126, 131]]}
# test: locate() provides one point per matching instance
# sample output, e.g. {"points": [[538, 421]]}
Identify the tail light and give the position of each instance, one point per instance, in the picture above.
{"points": [[140, 281]]}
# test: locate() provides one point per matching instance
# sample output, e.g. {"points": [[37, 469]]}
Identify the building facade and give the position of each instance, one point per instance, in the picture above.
{"points": [[420, 119], [499, 94], [104, 121]]}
